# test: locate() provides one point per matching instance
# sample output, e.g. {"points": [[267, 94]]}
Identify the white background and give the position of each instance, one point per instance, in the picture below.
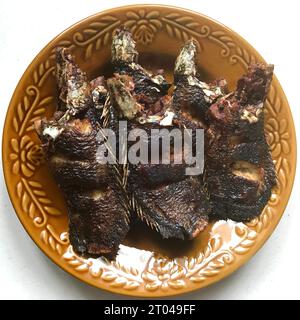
{"points": [[272, 27]]}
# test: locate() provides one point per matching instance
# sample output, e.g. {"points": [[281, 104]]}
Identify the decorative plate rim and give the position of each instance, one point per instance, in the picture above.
{"points": [[56, 259]]}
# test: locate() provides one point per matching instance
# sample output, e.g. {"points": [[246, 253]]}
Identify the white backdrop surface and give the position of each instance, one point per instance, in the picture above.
{"points": [[272, 27]]}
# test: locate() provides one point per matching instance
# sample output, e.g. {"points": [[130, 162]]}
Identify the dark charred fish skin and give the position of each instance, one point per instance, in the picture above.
{"points": [[100, 101], [149, 86], [240, 170], [163, 196], [253, 87], [98, 217], [96, 222], [74, 89], [121, 87], [192, 95], [102, 198], [77, 139], [174, 204], [175, 209]]}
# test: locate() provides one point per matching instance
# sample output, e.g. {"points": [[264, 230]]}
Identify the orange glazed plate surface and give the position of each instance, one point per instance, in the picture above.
{"points": [[146, 265]]}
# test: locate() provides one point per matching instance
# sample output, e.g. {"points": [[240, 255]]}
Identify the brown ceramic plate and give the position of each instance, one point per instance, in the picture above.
{"points": [[146, 265]]}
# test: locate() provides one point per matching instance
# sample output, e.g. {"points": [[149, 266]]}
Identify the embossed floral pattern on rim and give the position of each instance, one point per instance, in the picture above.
{"points": [[37, 210]]}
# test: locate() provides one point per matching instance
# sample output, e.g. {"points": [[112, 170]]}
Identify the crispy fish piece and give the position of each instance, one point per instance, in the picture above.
{"points": [[192, 96], [174, 205], [240, 170], [162, 195], [101, 198], [74, 89], [97, 211], [124, 56]]}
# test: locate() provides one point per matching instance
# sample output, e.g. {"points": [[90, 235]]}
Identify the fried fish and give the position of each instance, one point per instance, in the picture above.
{"points": [[240, 170], [234, 182], [97, 213], [163, 196]]}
